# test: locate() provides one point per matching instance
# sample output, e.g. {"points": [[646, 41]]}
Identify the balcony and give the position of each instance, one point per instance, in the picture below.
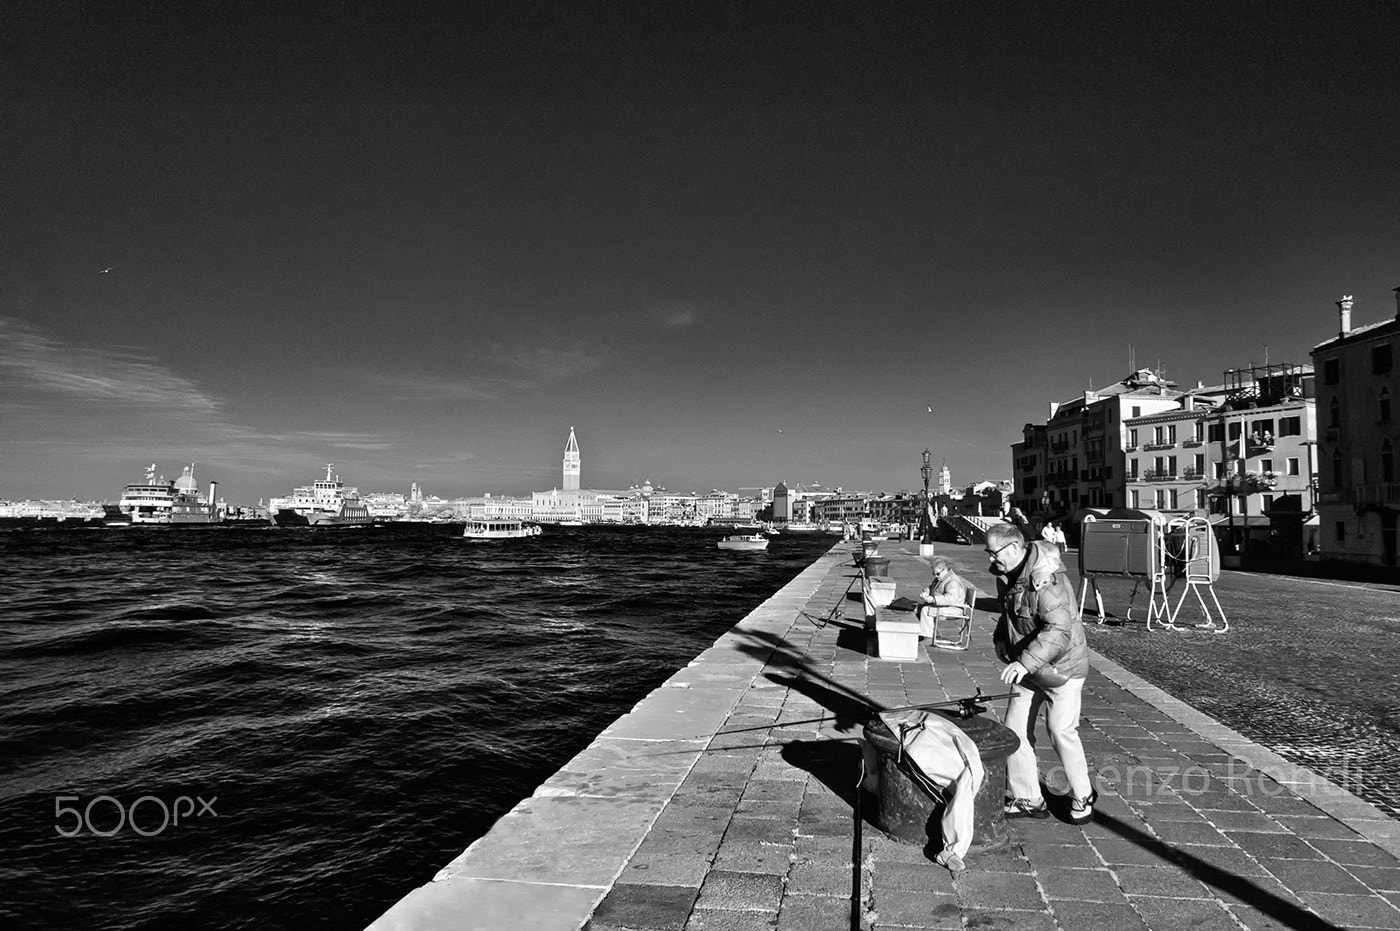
{"points": [[1192, 475], [1193, 441], [1382, 493], [1060, 479], [1148, 447], [1059, 447], [1130, 449], [1156, 475]]}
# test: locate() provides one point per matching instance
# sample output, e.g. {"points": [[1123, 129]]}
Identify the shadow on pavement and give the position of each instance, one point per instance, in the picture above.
{"points": [[1240, 887]]}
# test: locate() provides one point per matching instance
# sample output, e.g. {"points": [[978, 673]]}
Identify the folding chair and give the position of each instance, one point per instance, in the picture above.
{"points": [[962, 620]]}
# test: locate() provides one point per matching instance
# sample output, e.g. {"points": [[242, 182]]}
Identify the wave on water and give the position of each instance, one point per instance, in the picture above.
{"points": [[352, 702]]}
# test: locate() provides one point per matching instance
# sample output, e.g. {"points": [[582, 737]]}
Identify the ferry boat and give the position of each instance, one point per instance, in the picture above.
{"points": [[756, 541], [324, 503], [158, 501], [499, 528]]}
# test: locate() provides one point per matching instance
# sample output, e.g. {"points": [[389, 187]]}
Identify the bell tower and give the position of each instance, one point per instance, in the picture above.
{"points": [[945, 479], [571, 463]]}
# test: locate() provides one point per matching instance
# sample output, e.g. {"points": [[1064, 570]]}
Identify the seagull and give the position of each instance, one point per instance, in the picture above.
{"points": [[780, 431], [930, 410], [105, 270]]}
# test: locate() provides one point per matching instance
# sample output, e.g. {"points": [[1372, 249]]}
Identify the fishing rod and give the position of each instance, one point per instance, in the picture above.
{"points": [[966, 708]]}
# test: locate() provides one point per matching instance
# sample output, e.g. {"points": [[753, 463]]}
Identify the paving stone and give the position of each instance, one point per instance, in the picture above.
{"points": [[814, 913], [1382, 879], [902, 909], [1159, 881], [654, 908], [724, 889], [746, 827], [1190, 832], [1318, 827], [1206, 862], [1008, 859], [1181, 914], [1358, 853], [769, 809], [1304, 876], [1043, 856], [1262, 892], [1260, 920], [751, 857], [1243, 821], [710, 919], [819, 877], [1079, 885], [975, 919], [1275, 846], [999, 890], [926, 877], [1356, 911], [1096, 916], [1285, 803], [1133, 853], [771, 790]]}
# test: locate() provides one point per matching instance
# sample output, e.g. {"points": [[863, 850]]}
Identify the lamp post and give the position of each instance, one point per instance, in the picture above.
{"points": [[925, 469]]}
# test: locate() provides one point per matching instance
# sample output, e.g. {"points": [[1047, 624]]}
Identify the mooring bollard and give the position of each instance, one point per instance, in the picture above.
{"points": [[907, 813]]}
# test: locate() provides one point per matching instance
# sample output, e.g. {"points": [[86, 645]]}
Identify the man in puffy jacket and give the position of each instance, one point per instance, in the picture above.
{"points": [[1041, 639]]}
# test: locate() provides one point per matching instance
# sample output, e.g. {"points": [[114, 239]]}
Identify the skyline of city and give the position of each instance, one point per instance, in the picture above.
{"points": [[734, 246]]}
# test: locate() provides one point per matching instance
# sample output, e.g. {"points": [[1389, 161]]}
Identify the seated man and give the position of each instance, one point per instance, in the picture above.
{"points": [[947, 591]]}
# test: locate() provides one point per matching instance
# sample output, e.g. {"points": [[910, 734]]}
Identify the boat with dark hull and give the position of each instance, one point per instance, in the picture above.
{"points": [[324, 503]]}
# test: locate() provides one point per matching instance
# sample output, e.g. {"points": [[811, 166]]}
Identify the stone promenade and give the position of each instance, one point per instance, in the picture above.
{"points": [[722, 802]]}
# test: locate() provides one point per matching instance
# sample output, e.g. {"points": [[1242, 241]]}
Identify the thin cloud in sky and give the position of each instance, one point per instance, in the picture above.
{"points": [[31, 360], [544, 363], [679, 317], [442, 387]]}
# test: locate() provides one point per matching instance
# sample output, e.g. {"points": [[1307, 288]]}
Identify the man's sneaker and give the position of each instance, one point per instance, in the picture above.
{"points": [[1025, 808], [1081, 810]]}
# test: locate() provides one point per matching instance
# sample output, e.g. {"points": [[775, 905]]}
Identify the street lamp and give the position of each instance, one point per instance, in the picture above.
{"points": [[925, 470]]}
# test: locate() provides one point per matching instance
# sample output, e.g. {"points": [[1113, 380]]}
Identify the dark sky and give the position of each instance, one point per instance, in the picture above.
{"points": [[423, 244]]}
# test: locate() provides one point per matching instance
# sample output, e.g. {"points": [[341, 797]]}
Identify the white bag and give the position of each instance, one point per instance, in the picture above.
{"points": [[945, 762]]}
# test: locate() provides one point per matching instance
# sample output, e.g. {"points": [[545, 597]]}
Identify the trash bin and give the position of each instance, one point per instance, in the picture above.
{"points": [[877, 567], [906, 812]]}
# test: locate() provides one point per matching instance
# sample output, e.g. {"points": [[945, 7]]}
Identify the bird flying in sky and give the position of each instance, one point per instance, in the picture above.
{"points": [[105, 271], [930, 410]]}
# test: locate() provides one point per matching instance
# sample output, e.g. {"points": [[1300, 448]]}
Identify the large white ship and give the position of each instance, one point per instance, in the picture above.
{"points": [[158, 501], [323, 503]]}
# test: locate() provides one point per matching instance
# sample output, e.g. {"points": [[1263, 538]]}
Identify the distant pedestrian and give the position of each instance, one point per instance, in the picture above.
{"points": [[1041, 639], [1051, 533], [945, 593]]}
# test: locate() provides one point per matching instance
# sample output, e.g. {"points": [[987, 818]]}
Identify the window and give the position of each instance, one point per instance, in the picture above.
{"points": [[1266, 465], [1234, 430], [1171, 465], [1200, 463], [1331, 371], [1384, 401], [1159, 499], [1268, 502], [1290, 426], [1380, 359], [1334, 414], [1201, 498], [1198, 431], [1171, 433], [1157, 434], [1137, 411], [1132, 438], [1132, 468], [1293, 465], [1387, 461], [1220, 470], [1171, 499], [1341, 531], [1262, 430], [1215, 432], [1133, 495], [1108, 473]]}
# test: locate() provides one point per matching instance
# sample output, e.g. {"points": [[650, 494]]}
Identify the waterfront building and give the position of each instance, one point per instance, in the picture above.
{"points": [[782, 504], [1084, 442], [1029, 491], [1240, 453], [1358, 493]]}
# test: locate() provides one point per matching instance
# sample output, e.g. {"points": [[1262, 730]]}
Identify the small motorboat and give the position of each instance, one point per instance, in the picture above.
{"points": [[755, 541]]}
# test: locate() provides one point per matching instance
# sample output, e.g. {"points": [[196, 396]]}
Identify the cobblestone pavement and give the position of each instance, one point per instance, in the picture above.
{"points": [[762, 833]]}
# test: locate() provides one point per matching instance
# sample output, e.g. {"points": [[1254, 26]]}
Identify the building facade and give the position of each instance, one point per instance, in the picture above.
{"points": [[1358, 491]]}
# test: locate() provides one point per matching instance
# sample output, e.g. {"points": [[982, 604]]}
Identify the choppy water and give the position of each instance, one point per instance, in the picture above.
{"points": [[354, 707]]}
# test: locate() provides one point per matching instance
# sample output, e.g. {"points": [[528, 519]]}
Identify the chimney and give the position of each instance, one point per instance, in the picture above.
{"points": [[212, 486], [1344, 307]]}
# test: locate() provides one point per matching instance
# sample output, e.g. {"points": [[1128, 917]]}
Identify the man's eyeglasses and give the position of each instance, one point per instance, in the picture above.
{"points": [[999, 548]]}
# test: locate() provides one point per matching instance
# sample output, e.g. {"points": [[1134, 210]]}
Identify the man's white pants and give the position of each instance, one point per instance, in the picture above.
{"points": [[1062, 721]]}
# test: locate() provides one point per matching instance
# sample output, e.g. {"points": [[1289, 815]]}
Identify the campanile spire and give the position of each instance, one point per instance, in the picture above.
{"points": [[571, 463]]}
